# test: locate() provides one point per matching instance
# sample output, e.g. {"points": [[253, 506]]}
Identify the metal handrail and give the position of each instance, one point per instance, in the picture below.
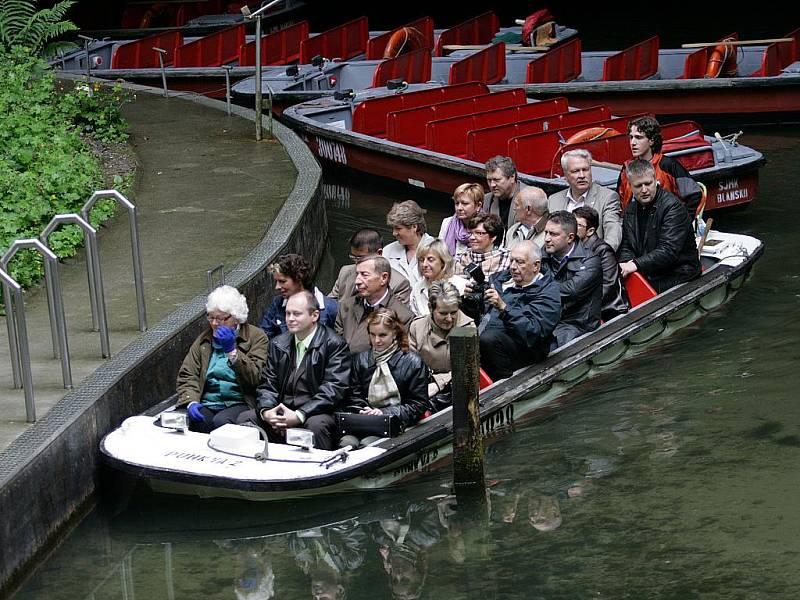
{"points": [[138, 277], [220, 268], [97, 296], [58, 328], [15, 314]]}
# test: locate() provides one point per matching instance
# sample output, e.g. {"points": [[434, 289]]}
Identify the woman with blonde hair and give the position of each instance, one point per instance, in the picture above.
{"points": [[435, 264], [468, 200], [407, 221]]}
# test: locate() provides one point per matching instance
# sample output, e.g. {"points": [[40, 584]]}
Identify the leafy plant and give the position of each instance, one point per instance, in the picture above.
{"points": [[22, 25], [46, 168], [96, 110]]}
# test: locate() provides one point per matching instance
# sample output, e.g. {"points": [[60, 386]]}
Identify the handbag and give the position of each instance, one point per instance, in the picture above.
{"points": [[362, 426]]}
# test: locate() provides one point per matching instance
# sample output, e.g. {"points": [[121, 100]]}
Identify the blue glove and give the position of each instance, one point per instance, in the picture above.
{"points": [[194, 411], [225, 338]]}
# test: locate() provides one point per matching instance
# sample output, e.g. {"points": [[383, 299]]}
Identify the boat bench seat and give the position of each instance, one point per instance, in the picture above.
{"points": [[562, 64], [487, 65], [376, 46], [369, 117], [412, 67], [278, 48], [408, 126], [640, 61], [478, 30], [343, 42], [450, 135], [139, 54], [482, 143], [214, 50]]}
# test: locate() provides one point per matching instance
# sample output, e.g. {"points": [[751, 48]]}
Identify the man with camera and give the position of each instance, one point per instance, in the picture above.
{"points": [[522, 307]]}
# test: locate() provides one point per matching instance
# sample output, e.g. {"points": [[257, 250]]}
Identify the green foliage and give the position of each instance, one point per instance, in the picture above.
{"points": [[46, 168], [96, 110], [22, 25]]}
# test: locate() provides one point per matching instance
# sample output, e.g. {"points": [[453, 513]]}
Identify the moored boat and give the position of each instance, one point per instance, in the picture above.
{"points": [[440, 137], [210, 63], [228, 466]]}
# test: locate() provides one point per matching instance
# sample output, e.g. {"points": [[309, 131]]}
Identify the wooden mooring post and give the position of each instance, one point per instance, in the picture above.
{"points": [[467, 438]]}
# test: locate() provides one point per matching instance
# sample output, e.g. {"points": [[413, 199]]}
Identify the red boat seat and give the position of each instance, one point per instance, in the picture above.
{"points": [[640, 61], [213, 50], [696, 63], [139, 54], [478, 30], [487, 65], [487, 142], [559, 65], [369, 117], [412, 67], [639, 289], [377, 44], [450, 136], [779, 55], [343, 42], [408, 126], [484, 380], [279, 48]]}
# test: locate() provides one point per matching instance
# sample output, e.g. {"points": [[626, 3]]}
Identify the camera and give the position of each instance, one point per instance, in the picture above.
{"points": [[473, 304]]}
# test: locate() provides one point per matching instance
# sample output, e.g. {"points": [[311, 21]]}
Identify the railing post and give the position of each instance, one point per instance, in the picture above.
{"points": [[161, 52], [467, 438], [257, 16], [96, 293], [220, 268], [227, 88], [138, 276], [15, 316]]}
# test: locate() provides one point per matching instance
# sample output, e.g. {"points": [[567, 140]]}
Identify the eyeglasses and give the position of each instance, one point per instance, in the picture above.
{"points": [[217, 318], [477, 233]]}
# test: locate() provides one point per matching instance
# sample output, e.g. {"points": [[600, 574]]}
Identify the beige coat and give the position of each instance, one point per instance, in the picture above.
{"points": [[432, 347], [347, 281], [351, 322]]}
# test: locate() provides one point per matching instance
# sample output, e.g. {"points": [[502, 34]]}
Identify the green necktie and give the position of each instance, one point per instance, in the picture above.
{"points": [[299, 353]]}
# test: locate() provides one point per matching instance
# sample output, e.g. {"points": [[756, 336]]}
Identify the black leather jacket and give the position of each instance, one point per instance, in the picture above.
{"points": [[327, 365], [666, 248], [411, 376], [615, 300], [580, 280]]}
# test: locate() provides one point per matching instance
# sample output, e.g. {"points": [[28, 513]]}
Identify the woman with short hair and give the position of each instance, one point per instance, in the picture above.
{"points": [[485, 237], [435, 264], [407, 221], [468, 200], [218, 378], [429, 336], [292, 274]]}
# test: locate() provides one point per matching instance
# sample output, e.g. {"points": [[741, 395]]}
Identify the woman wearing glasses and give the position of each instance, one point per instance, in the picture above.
{"points": [[218, 378]]}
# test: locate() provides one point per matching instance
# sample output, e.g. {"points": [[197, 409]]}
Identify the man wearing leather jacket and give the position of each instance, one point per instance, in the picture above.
{"points": [[306, 377]]}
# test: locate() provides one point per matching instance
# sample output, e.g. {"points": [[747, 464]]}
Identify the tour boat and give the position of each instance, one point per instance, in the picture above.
{"points": [[235, 462], [441, 137]]}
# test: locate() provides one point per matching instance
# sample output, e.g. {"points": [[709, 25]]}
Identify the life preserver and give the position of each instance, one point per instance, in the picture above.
{"points": [[590, 134], [538, 19], [722, 60], [156, 11], [405, 39]]}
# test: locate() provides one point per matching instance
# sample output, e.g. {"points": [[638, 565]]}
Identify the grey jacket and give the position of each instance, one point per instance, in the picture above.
{"points": [[606, 203]]}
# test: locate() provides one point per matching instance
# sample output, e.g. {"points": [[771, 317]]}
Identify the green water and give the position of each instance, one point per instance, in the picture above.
{"points": [[672, 476]]}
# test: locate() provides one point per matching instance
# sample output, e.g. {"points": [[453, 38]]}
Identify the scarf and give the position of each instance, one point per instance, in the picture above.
{"points": [[456, 232], [382, 388]]}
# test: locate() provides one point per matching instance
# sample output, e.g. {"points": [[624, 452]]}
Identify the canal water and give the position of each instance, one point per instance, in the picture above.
{"points": [[672, 476]]}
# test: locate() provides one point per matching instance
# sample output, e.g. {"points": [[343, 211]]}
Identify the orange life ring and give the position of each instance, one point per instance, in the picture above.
{"points": [[590, 134], [722, 60], [405, 39], [157, 10]]}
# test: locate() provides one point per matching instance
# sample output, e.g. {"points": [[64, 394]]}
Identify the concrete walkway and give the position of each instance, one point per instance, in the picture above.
{"points": [[200, 173]]}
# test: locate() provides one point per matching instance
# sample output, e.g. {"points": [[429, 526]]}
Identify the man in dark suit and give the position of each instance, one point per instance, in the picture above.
{"points": [[583, 191], [306, 377]]}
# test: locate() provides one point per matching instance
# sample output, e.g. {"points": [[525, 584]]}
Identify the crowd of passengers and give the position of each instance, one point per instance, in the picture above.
{"points": [[531, 273]]}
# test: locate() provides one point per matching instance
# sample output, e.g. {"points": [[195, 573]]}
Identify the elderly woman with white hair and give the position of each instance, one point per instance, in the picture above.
{"points": [[435, 264], [219, 376]]}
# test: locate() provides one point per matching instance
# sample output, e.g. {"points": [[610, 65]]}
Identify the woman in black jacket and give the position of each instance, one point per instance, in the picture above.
{"points": [[389, 379]]}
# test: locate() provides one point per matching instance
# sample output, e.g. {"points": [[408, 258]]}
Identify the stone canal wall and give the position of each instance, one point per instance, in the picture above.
{"points": [[50, 471]]}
